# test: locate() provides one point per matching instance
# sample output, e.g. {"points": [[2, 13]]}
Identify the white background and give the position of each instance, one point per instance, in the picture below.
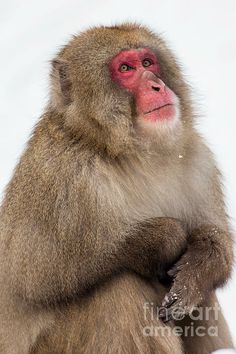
{"points": [[202, 33]]}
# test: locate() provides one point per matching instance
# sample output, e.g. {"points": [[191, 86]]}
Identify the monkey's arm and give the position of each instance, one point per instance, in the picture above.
{"points": [[207, 262], [50, 271], [59, 237]]}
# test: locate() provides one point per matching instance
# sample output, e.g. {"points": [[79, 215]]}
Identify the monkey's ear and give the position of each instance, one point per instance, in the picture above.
{"points": [[61, 78]]}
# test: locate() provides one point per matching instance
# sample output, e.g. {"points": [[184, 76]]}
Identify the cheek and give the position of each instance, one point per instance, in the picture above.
{"points": [[155, 69], [127, 81]]}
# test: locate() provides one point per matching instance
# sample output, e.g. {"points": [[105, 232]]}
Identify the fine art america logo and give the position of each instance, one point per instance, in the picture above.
{"points": [[202, 321]]}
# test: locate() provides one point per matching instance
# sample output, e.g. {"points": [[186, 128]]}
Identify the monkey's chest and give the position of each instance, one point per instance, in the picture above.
{"points": [[161, 198], [151, 196]]}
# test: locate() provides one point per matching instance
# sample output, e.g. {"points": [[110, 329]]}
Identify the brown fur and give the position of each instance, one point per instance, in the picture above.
{"points": [[111, 320], [115, 327], [91, 201]]}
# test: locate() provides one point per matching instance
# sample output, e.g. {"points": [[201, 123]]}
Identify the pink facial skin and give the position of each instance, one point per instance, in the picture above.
{"points": [[154, 100]]}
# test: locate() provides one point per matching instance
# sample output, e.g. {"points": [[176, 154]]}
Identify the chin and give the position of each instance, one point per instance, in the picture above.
{"points": [[167, 128]]}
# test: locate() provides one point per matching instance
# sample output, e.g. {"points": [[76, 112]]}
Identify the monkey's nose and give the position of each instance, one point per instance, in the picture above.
{"points": [[153, 81], [157, 85], [156, 88]]}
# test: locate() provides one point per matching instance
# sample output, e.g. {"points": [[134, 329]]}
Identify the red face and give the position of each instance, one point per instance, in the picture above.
{"points": [[138, 71]]}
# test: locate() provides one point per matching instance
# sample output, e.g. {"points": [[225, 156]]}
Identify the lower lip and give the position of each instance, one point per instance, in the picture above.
{"points": [[163, 113]]}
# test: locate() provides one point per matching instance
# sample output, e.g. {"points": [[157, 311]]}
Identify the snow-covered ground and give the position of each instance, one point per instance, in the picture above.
{"points": [[202, 33]]}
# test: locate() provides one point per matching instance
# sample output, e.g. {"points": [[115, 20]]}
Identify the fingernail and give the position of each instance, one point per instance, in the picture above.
{"points": [[162, 312]]}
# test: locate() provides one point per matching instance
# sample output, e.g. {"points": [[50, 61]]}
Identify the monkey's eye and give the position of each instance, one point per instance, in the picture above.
{"points": [[146, 62], [125, 67]]}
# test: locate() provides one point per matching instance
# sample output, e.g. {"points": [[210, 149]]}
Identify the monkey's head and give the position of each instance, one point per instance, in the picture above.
{"points": [[120, 88]]}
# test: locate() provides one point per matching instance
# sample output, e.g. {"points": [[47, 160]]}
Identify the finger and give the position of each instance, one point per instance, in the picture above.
{"points": [[169, 299], [175, 312], [173, 271], [165, 314]]}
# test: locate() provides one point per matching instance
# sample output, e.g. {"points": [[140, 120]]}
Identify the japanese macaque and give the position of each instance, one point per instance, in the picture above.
{"points": [[115, 189]]}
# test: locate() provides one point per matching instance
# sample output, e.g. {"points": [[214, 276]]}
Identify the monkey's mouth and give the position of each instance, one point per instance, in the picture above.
{"points": [[158, 108], [162, 113]]}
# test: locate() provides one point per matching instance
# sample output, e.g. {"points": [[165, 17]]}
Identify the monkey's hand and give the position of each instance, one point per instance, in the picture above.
{"points": [[206, 265], [186, 292], [154, 245]]}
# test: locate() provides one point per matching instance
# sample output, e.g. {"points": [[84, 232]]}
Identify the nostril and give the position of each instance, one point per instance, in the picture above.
{"points": [[156, 88]]}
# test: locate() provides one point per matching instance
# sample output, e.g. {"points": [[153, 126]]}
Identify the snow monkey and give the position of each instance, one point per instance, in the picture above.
{"points": [[115, 195]]}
